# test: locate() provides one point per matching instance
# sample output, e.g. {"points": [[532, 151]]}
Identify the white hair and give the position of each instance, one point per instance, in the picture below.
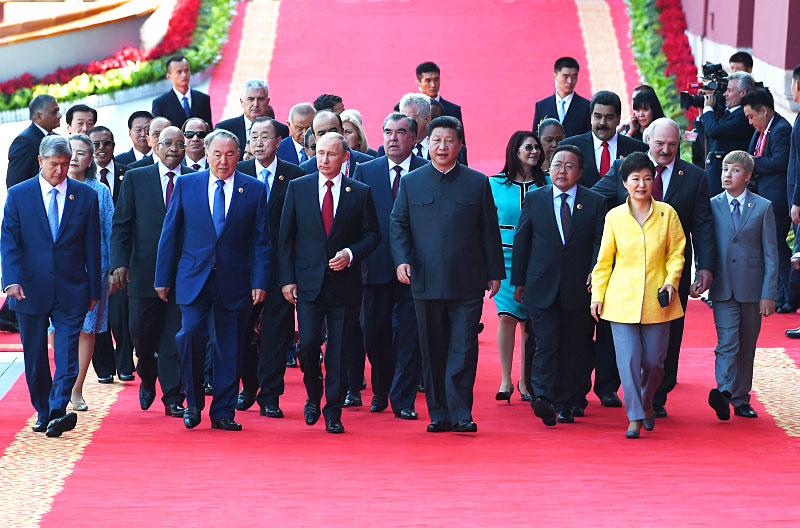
{"points": [[355, 114], [422, 102], [255, 84]]}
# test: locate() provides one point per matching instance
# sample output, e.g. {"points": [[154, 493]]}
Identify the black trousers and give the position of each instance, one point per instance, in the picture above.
{"points": [[673, 348], [393, 350], [356, 358], [264, 364], [448, 335], [153, 325], [114, 357]]}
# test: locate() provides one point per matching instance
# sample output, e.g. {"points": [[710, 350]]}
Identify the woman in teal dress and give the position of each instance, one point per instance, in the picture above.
{"points": [[522, 172]]}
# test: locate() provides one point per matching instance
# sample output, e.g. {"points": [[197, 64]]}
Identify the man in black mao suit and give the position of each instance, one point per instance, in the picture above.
{"points": [[568, 107], [555, 248], [446, 244], [181, 102], [394, 358], [23, 153], [138, 221], [328, 226], [683, 186], [265, 363], [603, 145]]}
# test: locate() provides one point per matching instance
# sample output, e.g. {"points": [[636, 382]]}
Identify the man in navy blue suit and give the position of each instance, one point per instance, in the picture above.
{"points": [[566, 105], [291, 148], [216, 237], [182, 102], [326, 121], [23, 152], [138, 122], [429, 81], [395, 359], [50, 246], [328, 224], [794, 171]]}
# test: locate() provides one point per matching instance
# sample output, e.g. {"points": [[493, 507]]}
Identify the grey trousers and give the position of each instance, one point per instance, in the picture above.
{"points": [[641, 350], [738, 325]]}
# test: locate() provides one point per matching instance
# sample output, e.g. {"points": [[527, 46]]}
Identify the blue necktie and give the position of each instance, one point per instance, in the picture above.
{"points": [[186, 107], [562, 110], [265, 176], [303, 155], [52, 213], [218, 215]]}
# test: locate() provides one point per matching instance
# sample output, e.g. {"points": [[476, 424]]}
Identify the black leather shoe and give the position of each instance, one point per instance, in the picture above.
{"points": [[334, 425], [207, 388], [659, 411], [421, 386], [786, 308], [62, 424], [480, 327], [106, 380], [544, 410], [291, 363], [406, 414], [176, 410], [439, 427], [245, 401], [565, 416], [610, 400], [353, 399], [378, 405], [226, 424], [191, 417], [578, 412], [126, 376], [271, 411], [465, 426], [146, 398], [745, 411], [40, 426], [793, 333], [311, 412], [7, 325], [721, 403]]}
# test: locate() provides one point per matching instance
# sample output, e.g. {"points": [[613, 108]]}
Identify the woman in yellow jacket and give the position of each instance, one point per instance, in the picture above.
{"points": [[640, 257]]}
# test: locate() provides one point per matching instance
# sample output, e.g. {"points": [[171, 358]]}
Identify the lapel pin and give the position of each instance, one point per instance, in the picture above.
{"points": [[579, 206], [280, 177], [120, 177], [241, 190], [662, 213], [621, 156], [680, 173], [71, 196], [750, 204], [347, 189]]}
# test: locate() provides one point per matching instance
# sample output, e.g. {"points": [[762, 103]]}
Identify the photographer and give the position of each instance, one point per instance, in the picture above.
{"points": [[727, 131]]}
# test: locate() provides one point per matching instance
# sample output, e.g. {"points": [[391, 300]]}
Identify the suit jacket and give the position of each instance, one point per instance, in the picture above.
{"points": [[144, 162], [585, 142], [138, 221], [771, 167], [747, 259], [576, 122], [65, 271], [378, 268], [452, 110], [286, 151], [285, 172], [544, 264], [119, 174], [305, 249], [126, 158], [23, 160], [355, 158], [236, 125], [730, 132], [793, 170], [687, 194], [445, 226], [241, 253], [168, 105], [462, 155]]}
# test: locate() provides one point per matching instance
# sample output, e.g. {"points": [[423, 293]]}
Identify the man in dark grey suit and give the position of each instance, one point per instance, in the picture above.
{"points": [[137, 130], [154, 129], [446, 244], [23, 161]]}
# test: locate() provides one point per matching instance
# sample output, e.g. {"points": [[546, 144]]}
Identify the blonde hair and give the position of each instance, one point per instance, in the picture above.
{"points": [[362, 137], [740, 157]]}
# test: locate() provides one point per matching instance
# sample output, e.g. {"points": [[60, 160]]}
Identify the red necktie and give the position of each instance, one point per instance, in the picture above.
{"points": [[104, 177], [761, 140], [658, 184], [170, 187], [327, 208], [605, 160], [396, 183]]}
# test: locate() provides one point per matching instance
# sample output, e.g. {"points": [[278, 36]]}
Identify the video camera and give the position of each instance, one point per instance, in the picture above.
{"points": [[717, 82]]}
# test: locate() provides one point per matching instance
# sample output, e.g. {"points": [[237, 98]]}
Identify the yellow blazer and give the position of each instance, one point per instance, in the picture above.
{"points": [[647, 257]]}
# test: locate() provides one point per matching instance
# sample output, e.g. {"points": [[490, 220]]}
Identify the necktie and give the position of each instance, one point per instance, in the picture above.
{"points": [[419, 149], [52, 213], [396, 183], [196, 166], [562, 110], [104, 177], [736, 214], [605, 160], [218, 215], [327, 208], [303, 155], [566, 216], [658, 184], [170, 187], [186, 108], [265, 176], [761, 141]]}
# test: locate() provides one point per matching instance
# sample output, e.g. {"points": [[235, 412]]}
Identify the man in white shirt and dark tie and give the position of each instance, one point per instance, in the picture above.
{"points": [[182, 102]]}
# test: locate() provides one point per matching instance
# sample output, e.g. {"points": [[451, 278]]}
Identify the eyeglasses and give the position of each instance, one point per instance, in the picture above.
{"points": [[169, 144], [254, 138], [192, 133], [529, 147], [566, 166], [106, 143]]}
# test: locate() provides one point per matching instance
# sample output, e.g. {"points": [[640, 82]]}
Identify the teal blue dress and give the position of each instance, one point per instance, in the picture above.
{"points": [[508, 200]]}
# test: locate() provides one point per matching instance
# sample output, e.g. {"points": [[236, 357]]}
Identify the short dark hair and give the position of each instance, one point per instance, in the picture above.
{"points": [[604, 97], [648, 100], [326, 102], [308, 137], [565, 62], [270, 111], [426, 67], [437, 104], [635, 162], [39, 103], [447, 122], [570, 148], [744, 58], [271, 121], [796, 73], [100, 128], [205, 123], [548, 123], [138, 114], [175, 58], [80, 108], [758, 99], [397, 116]]}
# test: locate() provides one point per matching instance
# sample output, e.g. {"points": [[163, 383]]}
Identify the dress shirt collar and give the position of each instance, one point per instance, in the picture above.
{"points": [[272, 167], [337, 181], [45, 132], [567, 99], [732, 110], [187, 95], [46, 187], [163, 169], [189, 162], [572, 191], [110, 167], [247, 125], [405, 164], [598, 143], [669, 168], [297, 147], [742, 198], [137, 154]]}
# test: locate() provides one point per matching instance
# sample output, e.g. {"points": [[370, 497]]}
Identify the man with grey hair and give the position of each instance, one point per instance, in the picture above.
{"points": [[291, 148], [181, 102], [23, 152], [683, 186], [254, 100], [727, 131], [51, 272]]}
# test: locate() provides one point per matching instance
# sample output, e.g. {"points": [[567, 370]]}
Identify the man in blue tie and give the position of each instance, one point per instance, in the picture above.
{"points": [[181, 102], [292, 149], [216, 237], [50, 248]]}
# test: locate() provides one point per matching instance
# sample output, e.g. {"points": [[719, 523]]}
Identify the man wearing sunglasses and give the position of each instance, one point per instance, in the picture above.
{"points": [[195, 130]]}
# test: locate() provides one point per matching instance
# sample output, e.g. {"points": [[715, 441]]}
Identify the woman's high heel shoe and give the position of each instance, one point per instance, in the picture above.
{"points": [[525, 397], [503, 395], [79, 405], [633, 433]]}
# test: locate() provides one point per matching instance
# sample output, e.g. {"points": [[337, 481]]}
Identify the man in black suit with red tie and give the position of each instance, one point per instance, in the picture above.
{"points": [[182, 102], [429, 81], [328, 227], [568, 107]]}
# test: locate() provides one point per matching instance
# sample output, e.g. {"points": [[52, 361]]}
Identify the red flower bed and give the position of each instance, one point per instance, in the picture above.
{"points": [[676, 47]]}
